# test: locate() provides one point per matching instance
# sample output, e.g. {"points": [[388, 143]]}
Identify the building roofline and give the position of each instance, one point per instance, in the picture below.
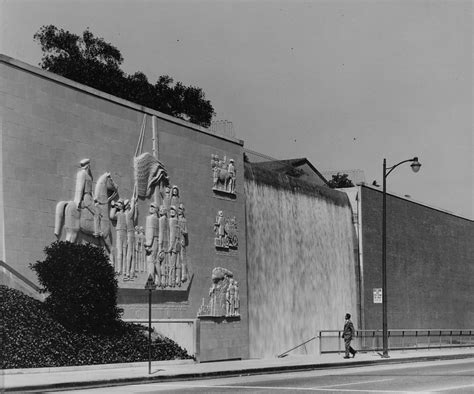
{"points": [[294, 162], [105, 96], [305, 160], [400, 197]]}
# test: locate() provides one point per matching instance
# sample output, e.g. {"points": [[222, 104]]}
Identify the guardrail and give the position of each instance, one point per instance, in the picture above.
{"points": [[284, 354], [330, 341]]}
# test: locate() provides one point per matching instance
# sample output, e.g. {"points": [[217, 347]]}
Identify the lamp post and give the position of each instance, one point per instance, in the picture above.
{"points": [[415, 166]]}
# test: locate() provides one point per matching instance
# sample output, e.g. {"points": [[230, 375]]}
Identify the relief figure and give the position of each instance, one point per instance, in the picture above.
{"points": [[130, 218], [223, 295], [183, 239], [223, 175], [174, 247], [151, 243], [82, 214], [117, 213], [163, 246]]}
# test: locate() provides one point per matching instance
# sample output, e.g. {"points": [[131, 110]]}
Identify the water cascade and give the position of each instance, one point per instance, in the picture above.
{"points": [[301, 262]]}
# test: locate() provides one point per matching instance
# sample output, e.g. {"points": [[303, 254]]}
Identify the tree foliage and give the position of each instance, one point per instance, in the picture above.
{"points": [[92, 61], [340, 181], [82, 287]]}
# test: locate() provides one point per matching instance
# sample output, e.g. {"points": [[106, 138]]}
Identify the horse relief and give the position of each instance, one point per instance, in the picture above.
{"points": [[88, 213], [223, 174]]}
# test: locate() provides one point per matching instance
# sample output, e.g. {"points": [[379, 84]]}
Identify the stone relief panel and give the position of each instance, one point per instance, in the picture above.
{"points": [[223, 175], [149, 173], [159, 248], [224, 297], [123, 214], [225, 229], [166, 241], [88, 215]]}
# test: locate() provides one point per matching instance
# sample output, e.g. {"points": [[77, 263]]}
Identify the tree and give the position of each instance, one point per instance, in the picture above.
{"points": [[340, 181], [82, 287], [92, 61]]}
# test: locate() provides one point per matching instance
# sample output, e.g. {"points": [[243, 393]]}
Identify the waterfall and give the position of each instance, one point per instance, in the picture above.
{"points": [[301, 265]]}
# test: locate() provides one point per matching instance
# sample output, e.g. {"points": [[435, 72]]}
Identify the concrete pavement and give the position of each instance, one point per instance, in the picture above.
{"points": [[42, 379]]}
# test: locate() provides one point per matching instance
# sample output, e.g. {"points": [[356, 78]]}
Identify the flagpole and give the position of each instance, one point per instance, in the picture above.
{"points": [[155, 151]]}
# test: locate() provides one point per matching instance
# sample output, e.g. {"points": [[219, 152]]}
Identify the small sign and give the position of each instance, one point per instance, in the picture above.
{"points": [[150, 283], [377, 296]]}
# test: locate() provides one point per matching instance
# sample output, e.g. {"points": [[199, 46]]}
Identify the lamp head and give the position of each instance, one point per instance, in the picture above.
{"points": [[415, 166]]}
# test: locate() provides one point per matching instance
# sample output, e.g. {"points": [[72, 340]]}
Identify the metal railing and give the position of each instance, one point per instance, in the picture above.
{"points": [[284, 354], [330, 341]]}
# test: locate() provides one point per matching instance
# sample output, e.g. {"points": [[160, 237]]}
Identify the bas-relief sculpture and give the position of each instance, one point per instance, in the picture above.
{"points": [[139, 251], [158, 249], [166, 239], [88, 213], [223, 175], [124, 213], [224, 297], [149, 172], [226, 232]]}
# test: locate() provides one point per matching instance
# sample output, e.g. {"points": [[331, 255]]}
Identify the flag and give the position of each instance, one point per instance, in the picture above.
{"points": [[148, 171]]}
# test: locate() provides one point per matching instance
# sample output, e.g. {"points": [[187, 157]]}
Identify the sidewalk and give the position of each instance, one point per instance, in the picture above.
{"points": [[21, 380]]}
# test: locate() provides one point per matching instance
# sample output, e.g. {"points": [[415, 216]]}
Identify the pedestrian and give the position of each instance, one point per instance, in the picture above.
{"points": [[347, 334]]}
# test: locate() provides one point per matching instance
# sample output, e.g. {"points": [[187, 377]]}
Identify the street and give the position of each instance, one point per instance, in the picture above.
{"points": [[454, 376]]}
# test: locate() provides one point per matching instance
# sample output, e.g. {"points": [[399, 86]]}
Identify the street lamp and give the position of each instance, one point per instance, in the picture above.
{"points": [[415, 166]]}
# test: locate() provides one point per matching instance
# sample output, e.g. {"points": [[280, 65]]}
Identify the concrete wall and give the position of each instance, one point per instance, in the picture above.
{"points": [[14, 280], [430, 265], [48, 124], [182, 331]]}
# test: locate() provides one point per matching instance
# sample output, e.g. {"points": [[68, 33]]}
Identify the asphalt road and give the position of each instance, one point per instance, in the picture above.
{"points": [[456, 376]]}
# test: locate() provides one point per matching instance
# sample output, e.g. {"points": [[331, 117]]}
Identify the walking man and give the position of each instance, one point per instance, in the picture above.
{"points": [[347, 334]]}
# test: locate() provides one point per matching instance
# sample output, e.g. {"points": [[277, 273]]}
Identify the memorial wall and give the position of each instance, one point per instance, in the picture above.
{"points": [[174, 201], [163, 196]]}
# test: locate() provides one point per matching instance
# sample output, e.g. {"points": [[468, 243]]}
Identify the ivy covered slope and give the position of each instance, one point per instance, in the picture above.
{"points": [[79, 322], [33, 339]]}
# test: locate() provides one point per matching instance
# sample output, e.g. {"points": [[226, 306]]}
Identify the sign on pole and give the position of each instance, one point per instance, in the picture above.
{"points": [[150, 283], [377, 296]]}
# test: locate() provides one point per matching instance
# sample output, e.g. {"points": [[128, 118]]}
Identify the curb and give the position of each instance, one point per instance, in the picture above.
{"points": [[229, 373], [85, 368]]}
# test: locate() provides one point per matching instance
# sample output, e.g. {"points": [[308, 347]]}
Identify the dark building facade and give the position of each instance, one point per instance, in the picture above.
{"points": [[430, 265]]}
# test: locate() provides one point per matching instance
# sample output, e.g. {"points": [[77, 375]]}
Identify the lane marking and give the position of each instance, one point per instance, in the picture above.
{"points": [[270, 388], [348, 384], [453, 388], [464, 370]]}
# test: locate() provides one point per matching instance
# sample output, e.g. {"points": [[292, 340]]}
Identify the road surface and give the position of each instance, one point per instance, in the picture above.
{"points": [[455, 376]]}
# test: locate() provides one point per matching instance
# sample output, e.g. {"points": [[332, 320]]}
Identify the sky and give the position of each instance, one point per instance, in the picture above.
{"points": [[343, 83]]}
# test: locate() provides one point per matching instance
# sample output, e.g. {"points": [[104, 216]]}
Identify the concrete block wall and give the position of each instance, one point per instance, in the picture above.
{"points": [[182, 331], [430, 265], [49, 123], [215, 341]]}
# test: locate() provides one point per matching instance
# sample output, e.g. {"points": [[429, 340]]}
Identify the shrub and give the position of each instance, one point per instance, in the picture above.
{"points": [[82, 287], [31, 338]]}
